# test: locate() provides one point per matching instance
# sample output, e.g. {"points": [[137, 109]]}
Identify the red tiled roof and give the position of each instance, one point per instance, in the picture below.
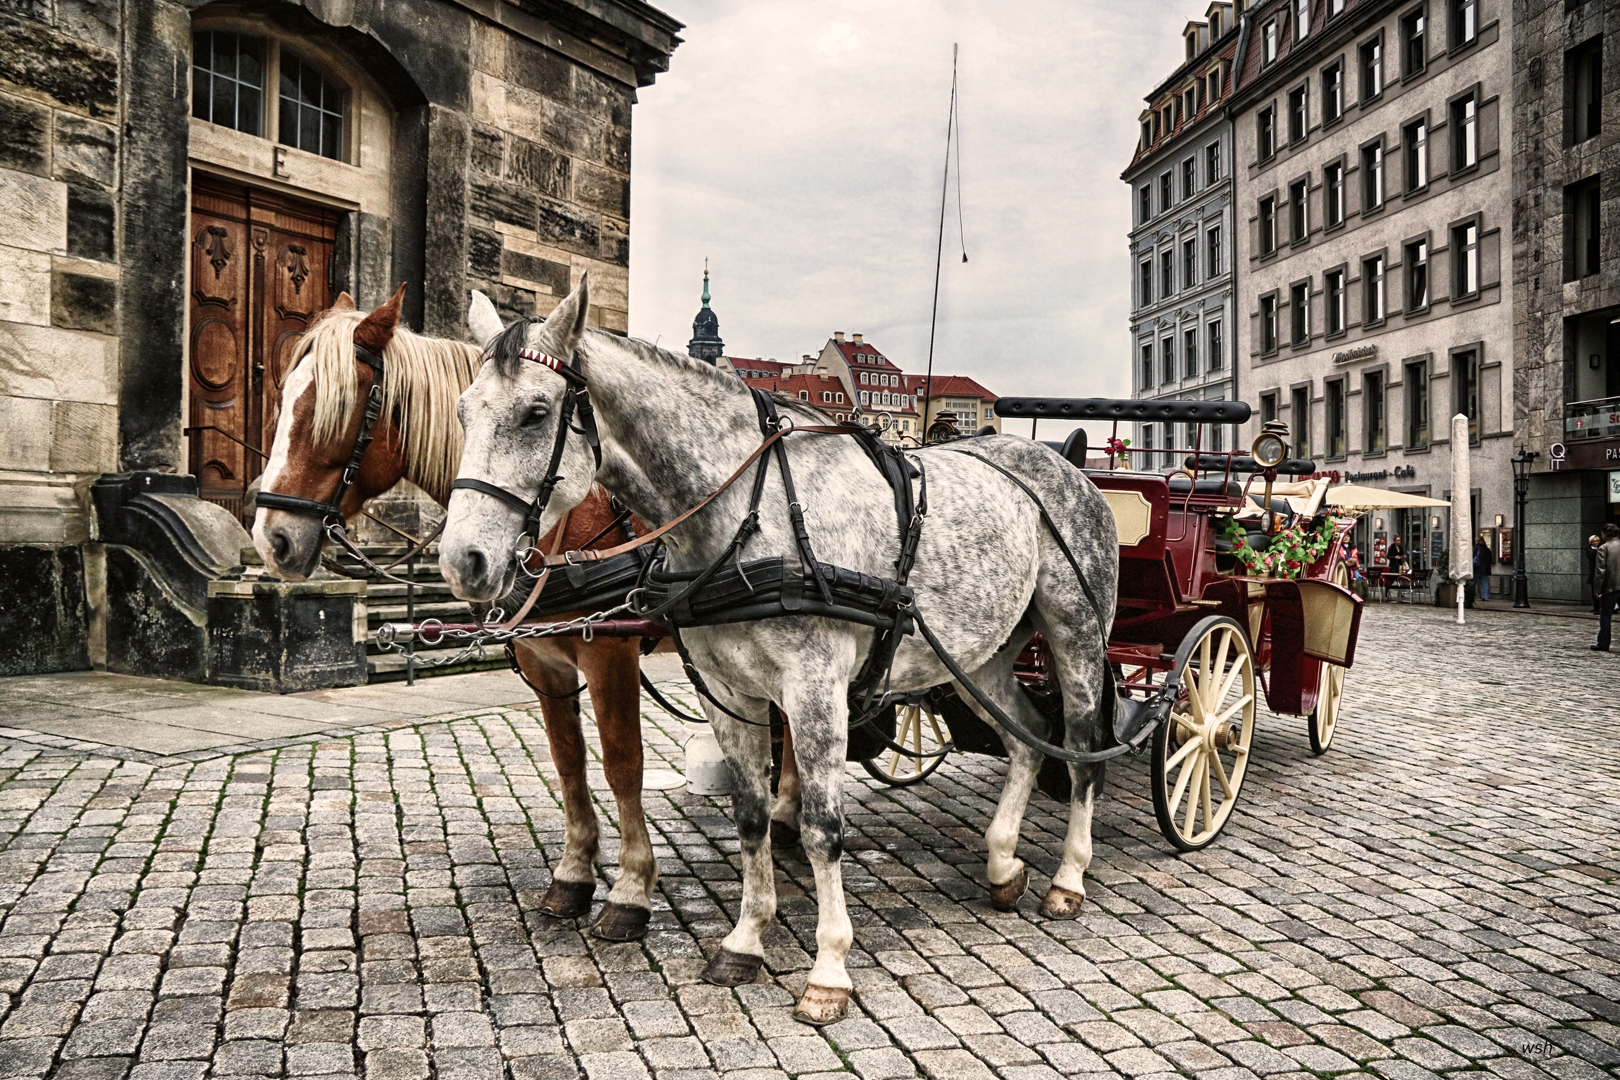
{"points": [[745, 363], [864, 354], [812, 385], [949, 386]]}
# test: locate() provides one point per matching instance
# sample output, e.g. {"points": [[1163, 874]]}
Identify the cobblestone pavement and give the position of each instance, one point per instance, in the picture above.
{"points": [[1437, 895]]}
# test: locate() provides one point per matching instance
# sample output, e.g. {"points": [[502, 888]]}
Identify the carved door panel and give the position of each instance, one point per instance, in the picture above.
{"points": [[260, 267]]}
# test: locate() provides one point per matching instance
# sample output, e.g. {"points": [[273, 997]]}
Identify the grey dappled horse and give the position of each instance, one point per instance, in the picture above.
{"points": [[988, 575]]}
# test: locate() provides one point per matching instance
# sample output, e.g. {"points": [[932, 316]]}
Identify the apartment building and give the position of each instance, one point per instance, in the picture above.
{"points": [[1566, 280], [1183, 303], [878, 384], [1375, 195]]}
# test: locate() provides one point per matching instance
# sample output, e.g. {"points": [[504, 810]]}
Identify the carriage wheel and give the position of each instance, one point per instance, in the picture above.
{"points": [[1325, 720], [1201, 754], [920, 730]]}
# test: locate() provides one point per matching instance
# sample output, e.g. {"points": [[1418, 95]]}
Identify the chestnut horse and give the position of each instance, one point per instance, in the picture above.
{"points": [[418, 438]]}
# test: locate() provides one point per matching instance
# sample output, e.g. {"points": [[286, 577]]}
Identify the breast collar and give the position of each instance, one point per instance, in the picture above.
{"points": [[331, 511], [576, 399]]}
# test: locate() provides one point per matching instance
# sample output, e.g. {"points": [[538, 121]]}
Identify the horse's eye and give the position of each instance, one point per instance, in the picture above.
{"points": [[536, 415]]}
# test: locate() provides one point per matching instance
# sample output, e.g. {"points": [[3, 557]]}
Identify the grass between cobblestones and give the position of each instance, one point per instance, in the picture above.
{"points": [[1436, 896]]}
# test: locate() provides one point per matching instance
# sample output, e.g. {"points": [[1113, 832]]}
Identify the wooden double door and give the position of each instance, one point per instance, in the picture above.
{"points": [[261, 271]]}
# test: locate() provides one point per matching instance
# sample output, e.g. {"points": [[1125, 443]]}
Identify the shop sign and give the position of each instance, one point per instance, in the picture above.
{"points": [[1345, 356], [1592, 454], [1614, 486]]}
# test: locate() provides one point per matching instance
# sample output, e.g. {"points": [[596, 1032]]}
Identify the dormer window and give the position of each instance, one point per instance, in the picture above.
{"points": [[1214, 25], [1268, 46]]}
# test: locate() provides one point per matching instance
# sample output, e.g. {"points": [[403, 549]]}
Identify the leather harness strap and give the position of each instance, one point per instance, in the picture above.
{"points": [[332, 510]]}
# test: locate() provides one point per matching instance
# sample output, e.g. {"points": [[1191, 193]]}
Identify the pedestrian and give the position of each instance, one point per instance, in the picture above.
{"points": [[1484, 559], [1397, 556], [1606, 579], [1592, 543]]}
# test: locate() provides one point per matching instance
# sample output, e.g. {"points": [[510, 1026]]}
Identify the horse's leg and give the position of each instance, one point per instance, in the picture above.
{"points": [[1077, 660], [785, 811], [554, 680], [747, 747], [1008, 876], [611, 666], [820, 715]]}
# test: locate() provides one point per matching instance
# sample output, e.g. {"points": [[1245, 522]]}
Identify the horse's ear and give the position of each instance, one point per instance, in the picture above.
{"points": [[344, 302], [566, 323], [482, 319], [377, 329]]}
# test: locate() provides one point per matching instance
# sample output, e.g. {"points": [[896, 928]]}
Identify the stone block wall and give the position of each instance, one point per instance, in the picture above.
{"points": [[59, 281]]}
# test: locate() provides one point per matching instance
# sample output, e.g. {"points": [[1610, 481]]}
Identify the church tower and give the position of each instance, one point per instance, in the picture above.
{"points": [[706, 343]]}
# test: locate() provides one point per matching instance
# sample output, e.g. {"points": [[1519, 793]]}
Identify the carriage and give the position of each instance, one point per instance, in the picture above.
{"points": [[1201, 617]]}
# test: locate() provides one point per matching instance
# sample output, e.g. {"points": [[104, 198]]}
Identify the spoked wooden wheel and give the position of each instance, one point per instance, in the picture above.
{"points": [[1201, 754], [1325, 719], [921, 731]]}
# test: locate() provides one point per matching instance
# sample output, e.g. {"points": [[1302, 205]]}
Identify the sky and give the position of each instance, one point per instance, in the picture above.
{"points": [[798, 145]]}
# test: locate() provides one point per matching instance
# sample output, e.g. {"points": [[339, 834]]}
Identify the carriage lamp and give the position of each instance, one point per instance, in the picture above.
{"points": [[1269, 449]]}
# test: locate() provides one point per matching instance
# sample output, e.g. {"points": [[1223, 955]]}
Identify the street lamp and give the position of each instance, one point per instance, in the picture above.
{"points": [[1521, 494]]}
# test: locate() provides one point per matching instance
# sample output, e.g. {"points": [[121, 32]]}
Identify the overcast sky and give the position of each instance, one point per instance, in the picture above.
{"points": [[798, 145]]}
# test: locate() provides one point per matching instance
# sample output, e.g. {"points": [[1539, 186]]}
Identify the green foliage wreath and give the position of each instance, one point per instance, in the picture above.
{"points": [[1289, 552]]}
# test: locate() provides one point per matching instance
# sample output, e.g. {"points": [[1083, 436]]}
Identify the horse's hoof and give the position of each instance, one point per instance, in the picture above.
{"points": [[621, 922], [1006, 897], [1060, 903], [568, 899], [822, 1005], [783, 835], [732, 969]]}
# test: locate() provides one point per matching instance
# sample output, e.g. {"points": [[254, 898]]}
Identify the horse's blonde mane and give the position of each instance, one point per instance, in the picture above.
{"points": [[424, 378]]}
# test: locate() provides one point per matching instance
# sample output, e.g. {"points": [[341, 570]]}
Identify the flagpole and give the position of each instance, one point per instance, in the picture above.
{"points": [[939, 250]]}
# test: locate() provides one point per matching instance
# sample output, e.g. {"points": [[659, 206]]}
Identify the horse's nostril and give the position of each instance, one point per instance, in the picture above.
{"points": [[280, 545], [476, 564]]}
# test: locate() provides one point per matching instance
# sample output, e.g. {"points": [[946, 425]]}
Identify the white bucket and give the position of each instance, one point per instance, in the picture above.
{"points": [[706, 772]]}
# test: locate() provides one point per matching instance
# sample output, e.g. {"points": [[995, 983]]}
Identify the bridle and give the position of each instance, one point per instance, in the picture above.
{"points": [[331, 511], [576, 399]]}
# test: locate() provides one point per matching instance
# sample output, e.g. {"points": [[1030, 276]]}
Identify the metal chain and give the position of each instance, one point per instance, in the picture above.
{"points": [[433, 632]]}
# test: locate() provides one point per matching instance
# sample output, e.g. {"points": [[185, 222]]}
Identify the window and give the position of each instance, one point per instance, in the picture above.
{"points": [[1268, 408], [1414, 54], [1333, 193], [1464, 22], [1372, 289], [1212, 163], [1581, 216], [1333, 408], [1189, 178], [1465, 132], [1167, 273], [1335, 7], [1189, 352], [1332, 93], [1214, 25], [1465, 259], [1268, 324], [1147, 134], [1268, 225], [1212, 252], [1299, 223], [1298, 114], [1217, 441], [227, 80], [1189, 262], [1415, 140], [1417, 405], [1144, 202], [1302, 19], [1145, 286], [1214, 83], [1465, 377], [1300, 421], [1266, 133], [1167, 360], [1333, 285], [1299, 305], [1371, 55], [1416, 259], [1149, 460], [1167, 198], [1189, 102], [1372, 405], [1147, 364], [1268, 46], [1217, 349], [311, 108], [1583, 91], [1372, 176]]}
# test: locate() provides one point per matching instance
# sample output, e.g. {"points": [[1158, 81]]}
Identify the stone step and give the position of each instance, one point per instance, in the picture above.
{"points": [[390, 667], [448, 611]]}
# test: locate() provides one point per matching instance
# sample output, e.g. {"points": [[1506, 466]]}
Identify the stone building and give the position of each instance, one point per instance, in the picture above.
{"points": [[876, 381], [1374, 195], [1183, 303], [187, 185], [973, 406], [1566, 279]]}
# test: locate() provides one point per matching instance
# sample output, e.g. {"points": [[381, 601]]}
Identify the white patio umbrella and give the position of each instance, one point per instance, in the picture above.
{"points": [[1462, 545]]}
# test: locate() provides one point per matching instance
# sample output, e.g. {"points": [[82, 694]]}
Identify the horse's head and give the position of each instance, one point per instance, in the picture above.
{"points": [[322, 409], [513, 417]]}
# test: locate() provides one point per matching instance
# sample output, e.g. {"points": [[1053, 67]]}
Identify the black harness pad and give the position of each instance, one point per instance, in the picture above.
{"points": [[774, 587], [603, 584]]}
